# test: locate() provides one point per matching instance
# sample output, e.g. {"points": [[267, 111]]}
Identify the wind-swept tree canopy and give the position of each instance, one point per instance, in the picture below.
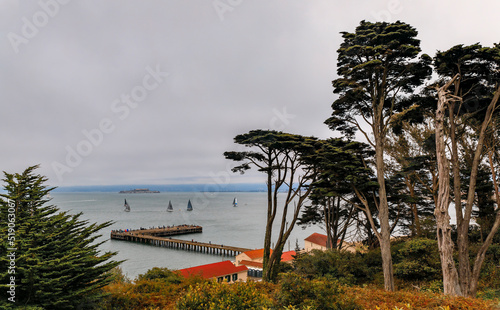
{"points": [[342, 170], [288, 162], [378, 68], [468, 95]]}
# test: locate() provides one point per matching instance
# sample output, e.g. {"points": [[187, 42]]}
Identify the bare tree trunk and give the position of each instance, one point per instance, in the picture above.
{"points": [[478, 262], [445, 243], [472, 278], [462, 227], [385, 228], [328, 224], [269, 222], [416, 229], [285, 230]]}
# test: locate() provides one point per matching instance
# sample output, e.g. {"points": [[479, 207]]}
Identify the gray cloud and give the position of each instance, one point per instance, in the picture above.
{"points": [[263, 61]]}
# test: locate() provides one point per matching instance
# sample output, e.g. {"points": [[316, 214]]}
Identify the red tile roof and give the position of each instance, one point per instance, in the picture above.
{"points": [[288, 256], [212, 270], [255, 254], [250, 263], [318, 239]]}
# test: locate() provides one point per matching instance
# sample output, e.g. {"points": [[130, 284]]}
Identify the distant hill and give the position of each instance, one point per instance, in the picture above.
{"points": [[167, 188]]}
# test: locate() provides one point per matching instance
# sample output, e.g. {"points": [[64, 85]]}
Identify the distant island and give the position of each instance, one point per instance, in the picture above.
{"points": [[183, 187], [139, 191]]}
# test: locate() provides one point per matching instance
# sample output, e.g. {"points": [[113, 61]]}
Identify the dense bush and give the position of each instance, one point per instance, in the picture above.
{"points": [[158, 288], [368, 298], [347, 267], [163, 274], [212, 295], [316, 294], [418, 259], [118, 276], [292, 292]]}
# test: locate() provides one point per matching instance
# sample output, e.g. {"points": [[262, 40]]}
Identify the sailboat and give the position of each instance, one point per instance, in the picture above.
{"points": [[127, 207], [170, 208], [235, 202], [190, 206]]}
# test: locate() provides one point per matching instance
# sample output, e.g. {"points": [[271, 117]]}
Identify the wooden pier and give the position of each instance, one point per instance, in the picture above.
{"points": [[156, 237]]}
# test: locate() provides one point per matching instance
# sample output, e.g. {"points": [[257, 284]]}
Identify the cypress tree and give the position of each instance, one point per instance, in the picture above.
{"points": [[52, 257], [378, 68]]}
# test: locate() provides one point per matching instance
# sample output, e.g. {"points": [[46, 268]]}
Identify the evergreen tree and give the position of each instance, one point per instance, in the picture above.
{"points": [[288, 162], [467, 108], [53, 260], [378, 67], [412, 162], [341, 171]]}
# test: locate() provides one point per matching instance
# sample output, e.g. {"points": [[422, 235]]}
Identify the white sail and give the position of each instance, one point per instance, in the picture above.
{"points": [[127, 207], [170, 208]]}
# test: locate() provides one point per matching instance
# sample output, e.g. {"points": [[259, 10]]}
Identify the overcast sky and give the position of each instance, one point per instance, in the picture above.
{"points": [[103, 92]]}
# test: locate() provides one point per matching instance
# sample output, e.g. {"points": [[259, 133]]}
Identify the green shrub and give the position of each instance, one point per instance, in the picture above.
{"points": [[118, 276], [295, 291], [212, 296], [347, 267], [435, 286], [418, 259], [163, 274]]}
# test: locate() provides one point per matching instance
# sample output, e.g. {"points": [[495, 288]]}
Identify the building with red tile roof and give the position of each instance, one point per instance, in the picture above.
{"points": [[255, 258], [288, 256], [255, 255], [251, 264], [315, 242], [254, 261], [318, 242], [222, 271]]}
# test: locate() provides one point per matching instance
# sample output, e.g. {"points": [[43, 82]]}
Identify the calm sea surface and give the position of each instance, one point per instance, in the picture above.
{"points": [[242, 226]]}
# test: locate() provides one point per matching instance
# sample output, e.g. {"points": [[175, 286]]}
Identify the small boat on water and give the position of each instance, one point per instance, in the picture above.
{"points": [[170, 208], [127, 207], [235, 202], [190, 206]]}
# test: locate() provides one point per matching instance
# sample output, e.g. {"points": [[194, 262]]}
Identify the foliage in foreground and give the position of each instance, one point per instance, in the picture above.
{"points": [[290, 292], [213, 295], [54, 261], [371, 298], [321, 294], [348, 268]]}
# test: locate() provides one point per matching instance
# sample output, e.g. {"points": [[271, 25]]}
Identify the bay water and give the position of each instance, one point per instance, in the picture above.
{"points": [[241, 226]]}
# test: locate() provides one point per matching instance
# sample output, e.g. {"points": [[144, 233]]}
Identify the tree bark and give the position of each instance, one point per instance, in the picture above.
{"points": [[462, 226], [470, 283], [269, 222], [285, 230], [451, 282], [478, 262], [416, 228], [385, 228]]}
